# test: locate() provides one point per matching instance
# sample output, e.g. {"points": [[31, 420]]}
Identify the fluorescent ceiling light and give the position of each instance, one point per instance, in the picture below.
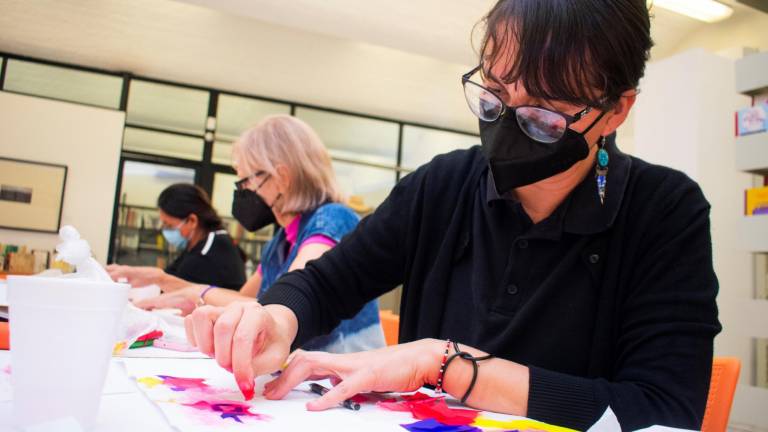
{"points": [[704, 10]]}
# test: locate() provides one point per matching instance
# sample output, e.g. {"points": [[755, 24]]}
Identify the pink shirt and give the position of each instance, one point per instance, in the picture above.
{"points": [[292, 232]]}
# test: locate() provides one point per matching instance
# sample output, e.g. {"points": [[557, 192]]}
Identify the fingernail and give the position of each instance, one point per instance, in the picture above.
{"points": [[247, 389]]}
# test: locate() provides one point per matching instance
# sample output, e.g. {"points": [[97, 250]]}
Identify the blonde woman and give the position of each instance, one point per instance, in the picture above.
{"points": [[285, 176]]}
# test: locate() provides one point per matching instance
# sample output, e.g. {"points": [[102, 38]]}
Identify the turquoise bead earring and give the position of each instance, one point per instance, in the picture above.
{"points": [[601, 170]]}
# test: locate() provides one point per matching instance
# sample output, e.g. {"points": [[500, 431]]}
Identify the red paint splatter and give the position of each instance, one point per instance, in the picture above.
{"points": [[183, 384], [228, 409], [422, 407]]}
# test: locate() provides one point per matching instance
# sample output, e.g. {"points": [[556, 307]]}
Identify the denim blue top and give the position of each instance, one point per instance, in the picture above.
{"points": [[333, 220]]}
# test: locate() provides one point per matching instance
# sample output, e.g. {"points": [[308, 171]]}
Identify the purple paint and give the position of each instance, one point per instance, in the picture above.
{"points": [[228, 409]]}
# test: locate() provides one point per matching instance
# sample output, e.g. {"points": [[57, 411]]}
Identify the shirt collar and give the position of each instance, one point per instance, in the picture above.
{"points": [[582, 212]]}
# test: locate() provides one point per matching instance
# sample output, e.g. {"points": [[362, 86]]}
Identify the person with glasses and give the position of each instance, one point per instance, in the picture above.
{"points": [[286, 177], [544, 273], [192, 227]]}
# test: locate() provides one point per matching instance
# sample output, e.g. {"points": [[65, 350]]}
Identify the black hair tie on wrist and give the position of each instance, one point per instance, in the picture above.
{"points": [[469, 357]]}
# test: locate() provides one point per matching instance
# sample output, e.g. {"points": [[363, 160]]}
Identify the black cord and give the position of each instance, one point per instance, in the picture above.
{"points": [[466, 356]]}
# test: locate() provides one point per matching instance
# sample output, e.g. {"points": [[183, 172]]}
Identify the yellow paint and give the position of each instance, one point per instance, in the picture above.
{"points": [[149, 382], [483, 422], [119, 347]]}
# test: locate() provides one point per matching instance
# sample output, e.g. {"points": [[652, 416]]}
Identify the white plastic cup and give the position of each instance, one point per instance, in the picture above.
{"points": [[62, 333]]}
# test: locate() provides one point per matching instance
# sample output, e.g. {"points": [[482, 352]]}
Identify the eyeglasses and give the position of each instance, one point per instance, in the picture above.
{"points": [[542, 125], [242, 184]]}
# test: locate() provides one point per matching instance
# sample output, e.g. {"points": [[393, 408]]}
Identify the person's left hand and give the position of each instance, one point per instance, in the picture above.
{"points": [[184, 299], [397, 368], [135, 276]]}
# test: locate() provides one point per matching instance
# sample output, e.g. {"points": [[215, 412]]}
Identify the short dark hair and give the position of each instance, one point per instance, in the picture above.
{"points": [[585, 52], [182, 199]]}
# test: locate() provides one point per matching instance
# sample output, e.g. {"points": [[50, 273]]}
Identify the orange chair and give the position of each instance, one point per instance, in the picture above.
{"points": [[725, 375], [4, 336], [390, 323]]}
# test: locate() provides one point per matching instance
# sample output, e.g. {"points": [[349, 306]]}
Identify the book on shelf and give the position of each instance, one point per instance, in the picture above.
{"points": [[752, 119], [756, 201]]}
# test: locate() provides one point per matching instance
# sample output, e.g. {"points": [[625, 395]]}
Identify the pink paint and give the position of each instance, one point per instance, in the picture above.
{"points": [[228, 409], [184, 384], [7, 369]]}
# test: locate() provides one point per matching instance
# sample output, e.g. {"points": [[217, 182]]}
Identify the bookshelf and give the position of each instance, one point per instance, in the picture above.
{"points": [[751, 156]]}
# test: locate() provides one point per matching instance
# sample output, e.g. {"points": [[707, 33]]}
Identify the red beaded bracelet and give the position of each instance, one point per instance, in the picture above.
{"points": [[439, 386]]}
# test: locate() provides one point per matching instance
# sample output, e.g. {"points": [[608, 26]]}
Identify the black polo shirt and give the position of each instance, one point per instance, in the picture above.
{"points": [[606, 304], [214, 260]]}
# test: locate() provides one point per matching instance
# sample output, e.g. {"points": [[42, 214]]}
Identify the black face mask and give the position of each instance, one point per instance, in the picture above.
{"points": [[251, 210], [518, 160]]}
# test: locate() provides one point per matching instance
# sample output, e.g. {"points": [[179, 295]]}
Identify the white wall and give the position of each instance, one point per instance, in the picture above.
{"points": [[685, 120], [87, 140]]}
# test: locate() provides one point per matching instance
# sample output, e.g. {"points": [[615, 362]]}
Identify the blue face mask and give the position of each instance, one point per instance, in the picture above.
{"points": [[174, 237]]}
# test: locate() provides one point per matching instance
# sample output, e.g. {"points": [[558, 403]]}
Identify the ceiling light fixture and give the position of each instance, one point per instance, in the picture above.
{"points": [[704, 10]]}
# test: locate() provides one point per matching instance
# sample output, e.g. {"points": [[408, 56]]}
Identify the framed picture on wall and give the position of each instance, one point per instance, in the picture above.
{"points": [[31, 195]]}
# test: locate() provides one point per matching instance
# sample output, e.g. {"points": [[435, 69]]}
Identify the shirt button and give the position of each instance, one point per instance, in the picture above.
{"points": [[522, 243], [512, 289], [594, 258]]}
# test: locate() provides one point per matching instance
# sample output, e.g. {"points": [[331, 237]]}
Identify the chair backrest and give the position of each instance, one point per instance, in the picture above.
{"points": [[725, 375], [390, 323]]}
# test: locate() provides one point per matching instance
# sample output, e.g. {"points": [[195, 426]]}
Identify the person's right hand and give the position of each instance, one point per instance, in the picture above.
{"points": [[245, 338], [184, 299], [136, 276]]}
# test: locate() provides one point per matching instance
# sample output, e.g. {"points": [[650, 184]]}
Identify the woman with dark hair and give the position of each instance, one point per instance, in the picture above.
{"points": [[208, 255], [545, 273]]}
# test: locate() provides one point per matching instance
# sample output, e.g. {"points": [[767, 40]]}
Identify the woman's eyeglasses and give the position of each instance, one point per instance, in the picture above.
{"points": [[242, 184], [540, 124]]}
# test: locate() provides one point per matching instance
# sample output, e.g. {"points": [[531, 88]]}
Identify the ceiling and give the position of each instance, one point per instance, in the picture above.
{"points": [[435, 28], [399, 61]]}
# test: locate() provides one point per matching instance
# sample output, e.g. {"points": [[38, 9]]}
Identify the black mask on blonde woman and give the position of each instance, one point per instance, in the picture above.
{"points": [[518, 160], [251, 210]]}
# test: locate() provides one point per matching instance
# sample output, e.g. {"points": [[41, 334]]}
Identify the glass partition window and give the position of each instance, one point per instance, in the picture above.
{"points": [[352, 138], [143, 182], [163, 144], [236, 114], [63, 83], [167, 107], [222, 153], [420, 144], [371, 184]]}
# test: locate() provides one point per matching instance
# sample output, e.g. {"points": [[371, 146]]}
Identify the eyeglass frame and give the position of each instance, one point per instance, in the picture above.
{"points": [[242, 184], [569, 119]]}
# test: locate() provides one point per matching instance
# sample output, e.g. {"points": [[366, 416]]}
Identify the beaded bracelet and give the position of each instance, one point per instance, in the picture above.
{"points": [[439, 387], [466, 356]]}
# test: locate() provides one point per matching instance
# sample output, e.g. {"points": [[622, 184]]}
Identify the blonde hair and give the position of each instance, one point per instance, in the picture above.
{"points": [[285, 140]]}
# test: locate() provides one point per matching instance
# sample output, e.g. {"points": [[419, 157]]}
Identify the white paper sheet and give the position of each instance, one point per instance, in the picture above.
{"points": [[287, 414]]}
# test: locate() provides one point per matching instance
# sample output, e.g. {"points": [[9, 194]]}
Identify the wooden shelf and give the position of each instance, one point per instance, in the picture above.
{"points": [[752, 73], [752, 153], [754, 233]]}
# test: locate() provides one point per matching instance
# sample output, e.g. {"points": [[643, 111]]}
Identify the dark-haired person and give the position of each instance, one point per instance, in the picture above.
{"points": [[585, 274], [192, 225]]}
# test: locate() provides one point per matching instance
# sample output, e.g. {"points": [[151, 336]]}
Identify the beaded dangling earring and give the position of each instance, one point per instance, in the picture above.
{"points": [[601, 170]]}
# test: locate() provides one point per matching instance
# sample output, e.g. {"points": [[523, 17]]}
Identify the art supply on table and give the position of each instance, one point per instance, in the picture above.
{"points": [[319, 389], [147, 340]]}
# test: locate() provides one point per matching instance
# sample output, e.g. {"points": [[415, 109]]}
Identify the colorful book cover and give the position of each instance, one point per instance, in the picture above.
{"points": [[752, 120], [756, 201]]}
